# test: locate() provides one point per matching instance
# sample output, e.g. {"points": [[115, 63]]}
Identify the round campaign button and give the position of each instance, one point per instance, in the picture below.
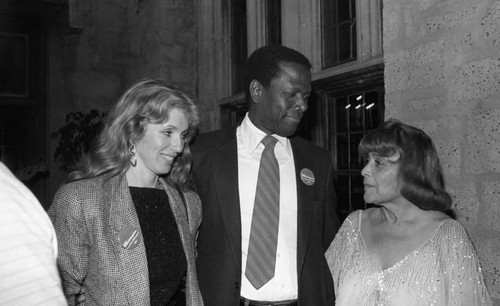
{"points": [[129, 238], [307, 176]]}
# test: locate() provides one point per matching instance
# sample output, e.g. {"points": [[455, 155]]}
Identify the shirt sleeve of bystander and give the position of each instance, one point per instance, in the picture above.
{"points": [[28, 248]]}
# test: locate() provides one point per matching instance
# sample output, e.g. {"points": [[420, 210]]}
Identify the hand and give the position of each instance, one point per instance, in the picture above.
{"points": [[80, 297]]}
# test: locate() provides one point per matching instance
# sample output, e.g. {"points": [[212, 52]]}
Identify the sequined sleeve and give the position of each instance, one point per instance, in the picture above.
{"points": [[343, 249], [463, 278]]}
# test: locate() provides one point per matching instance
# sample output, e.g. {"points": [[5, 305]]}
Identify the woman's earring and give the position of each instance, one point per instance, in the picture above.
{"points": [[133, 158]]}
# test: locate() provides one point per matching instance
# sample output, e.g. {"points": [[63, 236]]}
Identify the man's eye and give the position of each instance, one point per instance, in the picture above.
{"points": [[168, 133]]}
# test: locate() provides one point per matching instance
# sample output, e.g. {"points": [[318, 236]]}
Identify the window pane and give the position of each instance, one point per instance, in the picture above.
{"points": [[345, 40], [341, 94], [371, 110], [343, 10], [338, 32], [273, 22], [354, 41], [342, 111], [342, 152], [13, 64], [238, 43], [356, 113], [355, 162]]}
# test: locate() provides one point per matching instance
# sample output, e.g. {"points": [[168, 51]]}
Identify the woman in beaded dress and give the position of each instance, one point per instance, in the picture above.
{"points": [[127, 222], [405, 250]]}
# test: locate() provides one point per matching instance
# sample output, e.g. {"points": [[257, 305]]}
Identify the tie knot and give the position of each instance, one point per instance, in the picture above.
{"points": [[269, 141]]}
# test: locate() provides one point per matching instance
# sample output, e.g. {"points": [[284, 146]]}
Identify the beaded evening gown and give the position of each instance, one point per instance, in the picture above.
{"points": [[443, 271]]}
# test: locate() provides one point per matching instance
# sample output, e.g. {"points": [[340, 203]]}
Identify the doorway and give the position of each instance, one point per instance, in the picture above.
{"points": [[23, 58]]}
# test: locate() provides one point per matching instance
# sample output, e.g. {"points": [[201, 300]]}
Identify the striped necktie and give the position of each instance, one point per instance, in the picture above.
{"points": [[261, 259]]}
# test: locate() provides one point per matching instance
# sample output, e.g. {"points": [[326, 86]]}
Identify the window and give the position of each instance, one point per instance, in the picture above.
{"points": [[269, 11], [13, 64], [342, 110], [273, 21], [338, 31], [265, 15], [238, 43]]}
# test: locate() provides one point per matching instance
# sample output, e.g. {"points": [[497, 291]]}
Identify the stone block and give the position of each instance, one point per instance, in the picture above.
{"points": [[447, 22], [491, 199], [420, 67], [482, 142], [428, 126], [392, 24], [465, 203], [475, 80], [459, 46], [489, 257], [490, 23], [424, 5], [449, 153], [426, 104], [396, 74]]}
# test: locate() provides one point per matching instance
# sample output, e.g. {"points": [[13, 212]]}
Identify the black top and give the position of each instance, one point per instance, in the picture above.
{"points": [[167, 263]]}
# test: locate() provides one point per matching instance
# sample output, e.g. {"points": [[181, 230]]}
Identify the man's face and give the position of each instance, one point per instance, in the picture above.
{"points": [[281, 105]]}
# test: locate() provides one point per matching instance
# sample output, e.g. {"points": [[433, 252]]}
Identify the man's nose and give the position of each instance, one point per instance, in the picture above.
{"points": [[302, 103]]}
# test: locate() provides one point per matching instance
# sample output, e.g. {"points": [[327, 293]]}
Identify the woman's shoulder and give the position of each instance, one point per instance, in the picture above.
{"points": [[89, 187], [452, 236], [351, 222]]}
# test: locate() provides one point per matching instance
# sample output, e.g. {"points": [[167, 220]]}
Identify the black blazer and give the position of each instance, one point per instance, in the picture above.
{"points": [[215, 175]]}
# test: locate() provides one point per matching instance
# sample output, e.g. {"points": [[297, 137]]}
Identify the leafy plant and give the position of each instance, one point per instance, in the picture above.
{"points": [[77, 136]]}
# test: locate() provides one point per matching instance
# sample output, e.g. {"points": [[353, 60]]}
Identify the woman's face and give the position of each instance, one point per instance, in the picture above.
{"points": [[381, 179], [161, 143]]}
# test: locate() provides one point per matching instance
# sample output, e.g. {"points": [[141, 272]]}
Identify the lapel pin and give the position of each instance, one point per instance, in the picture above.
{"points": [[129, 238], [307, 177]]}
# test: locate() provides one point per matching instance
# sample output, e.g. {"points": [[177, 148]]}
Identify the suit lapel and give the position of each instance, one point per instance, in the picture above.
{"points": [[225, 176], [305, 200], [131, 262]]}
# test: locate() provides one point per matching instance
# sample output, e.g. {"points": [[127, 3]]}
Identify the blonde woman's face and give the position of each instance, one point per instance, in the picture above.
{"points": [[161, 144]]}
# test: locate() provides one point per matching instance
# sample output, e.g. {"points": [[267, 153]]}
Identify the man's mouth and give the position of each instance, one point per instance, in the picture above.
{"points": [[296, 115]]}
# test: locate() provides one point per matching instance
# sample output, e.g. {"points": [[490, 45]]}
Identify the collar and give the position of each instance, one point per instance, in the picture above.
{"points": [[251, 136]]}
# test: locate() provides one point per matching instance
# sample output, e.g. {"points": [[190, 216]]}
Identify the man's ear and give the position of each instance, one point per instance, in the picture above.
{"points": [[255, 91]]}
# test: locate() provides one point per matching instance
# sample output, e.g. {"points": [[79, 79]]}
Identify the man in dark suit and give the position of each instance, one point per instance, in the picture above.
{"points": [[226, 175]]}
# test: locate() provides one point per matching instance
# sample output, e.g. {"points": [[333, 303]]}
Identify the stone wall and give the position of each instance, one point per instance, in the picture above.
{"points": [[118, 43], [442, 74]]}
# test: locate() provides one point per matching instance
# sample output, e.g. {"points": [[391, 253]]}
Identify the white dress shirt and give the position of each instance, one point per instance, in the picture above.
{"points": [[28, 248], [283, 286]]}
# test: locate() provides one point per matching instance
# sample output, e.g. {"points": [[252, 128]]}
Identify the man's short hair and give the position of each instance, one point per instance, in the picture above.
{"points": [[263, 64]]}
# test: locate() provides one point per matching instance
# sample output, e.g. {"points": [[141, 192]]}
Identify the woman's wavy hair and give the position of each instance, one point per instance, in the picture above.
{"points": [[420, 173], [149, 101]]}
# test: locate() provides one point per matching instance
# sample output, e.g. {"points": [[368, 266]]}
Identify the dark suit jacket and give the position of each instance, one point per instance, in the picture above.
{"points": [[88, 216], [215, 174]]}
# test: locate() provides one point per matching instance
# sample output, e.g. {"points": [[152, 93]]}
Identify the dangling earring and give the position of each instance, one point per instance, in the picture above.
{"points": [[133, 158]]}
